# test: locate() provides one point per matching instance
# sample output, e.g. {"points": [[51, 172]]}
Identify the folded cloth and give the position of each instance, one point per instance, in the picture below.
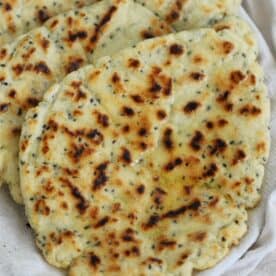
{"points": [[264, 15]]}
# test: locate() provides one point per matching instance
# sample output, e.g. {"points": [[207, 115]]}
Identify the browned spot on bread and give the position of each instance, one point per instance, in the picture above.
{"points": [[222, 122], [32, 102], [103, 22], [74, 64], [137, 98], [147, 34], [198, 236], [161, 114], [261, 147], [196, 141], [78, 152], [249, 109], [142, 132], [223, 97], [102, 222], [153, 260], [126, 128], [221, 28], [41, 207], [210, 171], [152, 221], [29, 53], [166, 244], [187, 190], [227, 47], [7, 7], [53, 24], [95, 136], [198, 59], [228, 107], [42, 67], [209, 125], [143, 146], [128, 235], [182, 258], [167, 139], [173, 164], [159, 83], [94, 261], [43, 15], [214, 202], [4, 107], [236, 77], [252, 79], [127, 111], [82, 203], [115, 78], [197, 76], [155, 219], [218, 146], [3, 53], [78, 35], [42, 170], [193, 206], [176, 49], [18, 69], [191, 106], [158, 195], [101, 177], [16, 131], [44, 43], [133, 63], [12, 93], [140, 189], [248, 180], [125, 156], [116, 207], [238, 157], [103, 120]]}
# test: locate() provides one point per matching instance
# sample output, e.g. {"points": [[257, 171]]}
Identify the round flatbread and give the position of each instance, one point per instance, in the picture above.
{"points": [[35, 61], [148, 162], [20, 16]]}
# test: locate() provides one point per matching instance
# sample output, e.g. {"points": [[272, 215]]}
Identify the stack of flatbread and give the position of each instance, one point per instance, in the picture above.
{"points": [[135, 133]]}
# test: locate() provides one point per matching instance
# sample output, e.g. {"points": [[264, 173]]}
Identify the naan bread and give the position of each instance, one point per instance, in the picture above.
{"points": [[189, 14], [44, 56], [148, 162], [20, 16]]}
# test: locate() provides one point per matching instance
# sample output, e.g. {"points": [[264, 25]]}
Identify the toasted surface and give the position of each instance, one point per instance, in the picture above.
{"points": [[189, 14], [147, 162], [20, 16], [44, 56]]}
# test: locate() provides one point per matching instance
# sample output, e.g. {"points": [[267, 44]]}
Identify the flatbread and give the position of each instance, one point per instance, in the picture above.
{"points": [[44, 56], [190, 14], [20, 16], [147, 162]]}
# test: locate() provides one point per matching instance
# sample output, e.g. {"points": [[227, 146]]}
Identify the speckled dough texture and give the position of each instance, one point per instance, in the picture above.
{"points": [[20, 16], [147, 162], [44, 56]]}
